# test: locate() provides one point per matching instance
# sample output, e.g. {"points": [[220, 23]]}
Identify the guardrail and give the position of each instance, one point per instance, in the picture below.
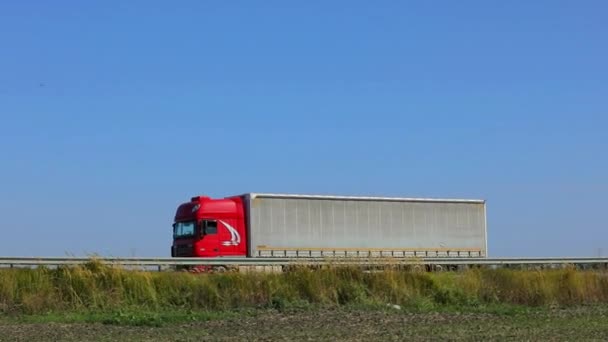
{"points": [[165, 263]]}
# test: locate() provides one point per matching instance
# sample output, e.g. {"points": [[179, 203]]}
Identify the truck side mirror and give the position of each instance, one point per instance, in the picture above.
{"points": [[201, 228]]}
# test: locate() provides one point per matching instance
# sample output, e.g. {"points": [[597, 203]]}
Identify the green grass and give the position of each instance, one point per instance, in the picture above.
{"points": [[342, 323], [128, 317], [135, 297]]}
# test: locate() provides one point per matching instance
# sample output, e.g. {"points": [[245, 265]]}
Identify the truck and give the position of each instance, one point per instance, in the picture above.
{"points": [[264, 225]]}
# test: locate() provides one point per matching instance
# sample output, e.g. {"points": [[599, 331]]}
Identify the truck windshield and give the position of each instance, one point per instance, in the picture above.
{"points": [[183, 229]]}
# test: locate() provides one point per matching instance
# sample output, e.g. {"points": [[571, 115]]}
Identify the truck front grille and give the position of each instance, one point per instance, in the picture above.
{"points": [[183, 250]]}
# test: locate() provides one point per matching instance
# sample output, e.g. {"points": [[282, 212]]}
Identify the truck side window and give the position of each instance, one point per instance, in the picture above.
{"points": [[210, 227]]}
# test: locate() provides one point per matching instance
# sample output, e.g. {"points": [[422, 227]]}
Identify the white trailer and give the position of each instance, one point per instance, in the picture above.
{"points": [[282, 225]]}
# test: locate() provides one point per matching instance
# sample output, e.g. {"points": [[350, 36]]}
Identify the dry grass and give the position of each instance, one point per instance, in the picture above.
{"points": [[98, 287]]}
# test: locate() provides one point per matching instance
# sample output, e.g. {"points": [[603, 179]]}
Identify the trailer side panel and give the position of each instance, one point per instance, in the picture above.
{"points": [[305, 226]]}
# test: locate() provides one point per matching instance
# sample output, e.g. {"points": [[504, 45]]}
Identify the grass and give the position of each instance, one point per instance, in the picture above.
{"points": [[118, 296], [129, 317], [332, 324]]}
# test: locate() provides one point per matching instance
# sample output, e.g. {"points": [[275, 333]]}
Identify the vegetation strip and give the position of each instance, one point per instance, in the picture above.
{"points": [[99, 288]]}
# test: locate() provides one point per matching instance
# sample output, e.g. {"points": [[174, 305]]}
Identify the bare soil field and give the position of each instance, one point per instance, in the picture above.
{"points": [[573, 324]]}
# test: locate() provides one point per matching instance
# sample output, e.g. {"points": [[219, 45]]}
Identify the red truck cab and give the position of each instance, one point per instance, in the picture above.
{"points": [[206, 227]]}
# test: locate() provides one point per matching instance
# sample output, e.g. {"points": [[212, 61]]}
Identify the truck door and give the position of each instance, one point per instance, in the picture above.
{"points": [[211, 237], [229, 237]]}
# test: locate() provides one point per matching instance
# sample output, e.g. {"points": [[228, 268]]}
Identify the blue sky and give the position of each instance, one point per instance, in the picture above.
{"points": [[111, 114]]}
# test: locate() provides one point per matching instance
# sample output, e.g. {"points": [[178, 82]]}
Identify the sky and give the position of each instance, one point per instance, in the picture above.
{"points": [[113, 113]]}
